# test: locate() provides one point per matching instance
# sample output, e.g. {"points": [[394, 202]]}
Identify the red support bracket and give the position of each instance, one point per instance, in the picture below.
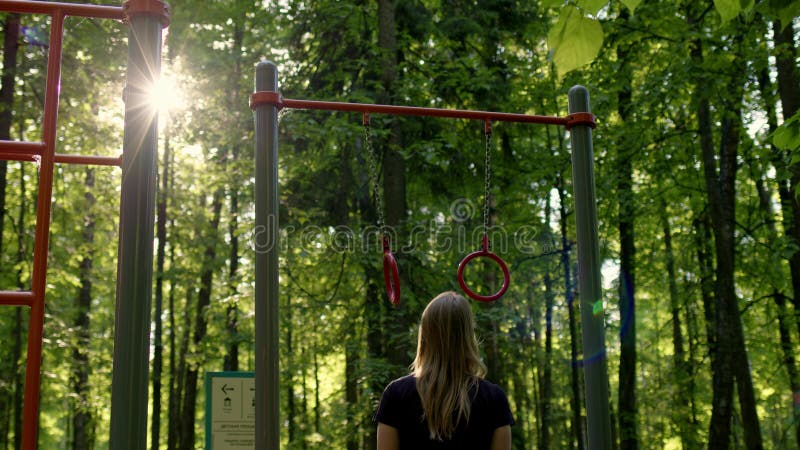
{"points": [[267, 98], [581, 118], [155, 8]]}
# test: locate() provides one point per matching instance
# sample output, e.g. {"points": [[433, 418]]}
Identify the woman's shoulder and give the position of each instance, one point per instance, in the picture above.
{"points": [[487, 389], [492, 401], [402, 384], [408, 379]]}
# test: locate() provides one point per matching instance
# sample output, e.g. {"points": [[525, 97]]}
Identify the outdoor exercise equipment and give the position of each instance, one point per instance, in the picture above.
{"points": [[485, 251], [129, 398], [391, 275], [266, 101], [145, 20]]}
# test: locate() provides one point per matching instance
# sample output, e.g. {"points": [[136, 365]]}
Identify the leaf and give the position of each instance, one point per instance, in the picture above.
{"points": [[787, 136], [783, 10], [592, 6], [551, 3], [728, 9], [788, 13], [574, 40], [631, 4]]}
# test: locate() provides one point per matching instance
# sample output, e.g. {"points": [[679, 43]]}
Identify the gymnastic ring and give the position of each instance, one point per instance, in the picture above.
{"points": [[484, 252], [391, 275]]}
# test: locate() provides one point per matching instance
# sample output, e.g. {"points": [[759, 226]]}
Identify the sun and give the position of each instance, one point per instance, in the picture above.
{"points": [[166, 96]]}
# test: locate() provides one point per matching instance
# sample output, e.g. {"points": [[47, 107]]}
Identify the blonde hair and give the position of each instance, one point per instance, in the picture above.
{"points": [[447, 364]]}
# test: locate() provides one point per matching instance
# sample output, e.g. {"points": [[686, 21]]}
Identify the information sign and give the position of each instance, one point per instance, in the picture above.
{"points": [[230, 410]]}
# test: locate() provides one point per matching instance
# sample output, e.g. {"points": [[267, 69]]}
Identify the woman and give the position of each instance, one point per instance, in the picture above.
{"points": [[445, 403]]}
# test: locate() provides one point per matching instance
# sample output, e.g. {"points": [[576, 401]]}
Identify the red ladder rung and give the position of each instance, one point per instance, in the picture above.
{"points": [[30, 151], [16, 298]]}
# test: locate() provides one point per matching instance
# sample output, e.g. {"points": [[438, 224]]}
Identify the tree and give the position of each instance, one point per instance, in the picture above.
{"points": [[626, 215], [8, 369], [731, 355]]}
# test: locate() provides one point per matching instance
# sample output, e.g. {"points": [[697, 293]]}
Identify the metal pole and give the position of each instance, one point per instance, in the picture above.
{"points": [[129, 392], [30, 425], [594, 347], [266, 262]]}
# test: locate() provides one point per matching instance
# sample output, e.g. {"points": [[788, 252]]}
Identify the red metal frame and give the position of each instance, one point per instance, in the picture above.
{"points": [[484, 252], [44, 153], [390, 274], [275, 98]]}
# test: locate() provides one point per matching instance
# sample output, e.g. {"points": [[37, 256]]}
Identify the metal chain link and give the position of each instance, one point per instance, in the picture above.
{"points": [[373, 175], [487, 164]]}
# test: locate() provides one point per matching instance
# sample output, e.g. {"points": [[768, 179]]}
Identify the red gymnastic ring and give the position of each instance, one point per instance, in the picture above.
{"points": [[391, 276], [477, 254]]}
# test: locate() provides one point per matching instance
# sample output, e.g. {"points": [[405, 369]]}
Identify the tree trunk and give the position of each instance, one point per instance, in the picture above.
{"points": [[789, 93], [546, 399], [374, 349], [11, 415], [303, 402], [351, 395], [625, 199], [682, 418], [693, 335], [731, 355], [83, 438], [18, 382], [576, 400], [289, 374], [784, 317], [8, 79], [231, 361], [177, 357], [177, 422], [788, 359], [341, 216], [780, 159], [201, 323], [22, 253], [10, 45], [158, 346], [394, 185], [317, 406]]}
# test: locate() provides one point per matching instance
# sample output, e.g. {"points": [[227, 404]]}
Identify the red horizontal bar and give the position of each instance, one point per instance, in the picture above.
{"points": [[61, 158], [69, 9], [21, 147], [89, 159], [16, 298], [274, 98]]}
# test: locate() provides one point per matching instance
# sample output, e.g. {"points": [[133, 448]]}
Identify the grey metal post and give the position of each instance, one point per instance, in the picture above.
{"points": [[594, 347], [129, 392], [266, 262]]}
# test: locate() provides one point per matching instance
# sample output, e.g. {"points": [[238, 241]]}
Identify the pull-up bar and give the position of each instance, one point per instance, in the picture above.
{"points": [[275, 99], [32, 151], [266, 101], [145, 20]]}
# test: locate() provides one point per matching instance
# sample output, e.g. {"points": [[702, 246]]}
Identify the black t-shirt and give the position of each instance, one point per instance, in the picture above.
{"points": [[401, 408]]}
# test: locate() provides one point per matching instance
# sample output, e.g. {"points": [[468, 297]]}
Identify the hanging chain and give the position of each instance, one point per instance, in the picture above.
{"points": [[373, 172], [487, 164]]}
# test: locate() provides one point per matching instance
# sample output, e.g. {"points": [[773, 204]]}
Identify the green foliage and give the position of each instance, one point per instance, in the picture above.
{"points": [[337, 330], [631, 4], [728, 9], [783, 10], [592, 6], [574, 40], [787, 136]]}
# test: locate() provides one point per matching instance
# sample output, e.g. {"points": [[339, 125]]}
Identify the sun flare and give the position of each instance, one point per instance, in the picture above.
{"points": [[166, 96]]}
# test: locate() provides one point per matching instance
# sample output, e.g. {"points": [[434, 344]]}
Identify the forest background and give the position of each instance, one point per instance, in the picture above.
{"points": [[696, 167]]}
